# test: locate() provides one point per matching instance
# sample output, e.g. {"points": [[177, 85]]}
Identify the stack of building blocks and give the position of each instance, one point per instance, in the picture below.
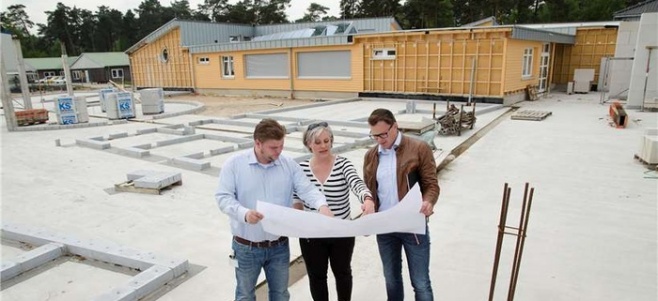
{"points": [[618, 115], [152, 101], [148, 181], [31, 116]]}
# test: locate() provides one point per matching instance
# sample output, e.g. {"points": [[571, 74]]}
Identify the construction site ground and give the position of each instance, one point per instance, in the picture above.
{"points": [[591, 234]]}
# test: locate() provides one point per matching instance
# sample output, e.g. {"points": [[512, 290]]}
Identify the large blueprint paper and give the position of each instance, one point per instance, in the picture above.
{"points": [[404, 217]]}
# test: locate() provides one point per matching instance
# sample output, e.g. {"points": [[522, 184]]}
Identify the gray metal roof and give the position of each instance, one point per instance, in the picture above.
{"points": [[197, 33], [362, 25], [531, 34], [569, 28], [634, 12], [269, 44]]}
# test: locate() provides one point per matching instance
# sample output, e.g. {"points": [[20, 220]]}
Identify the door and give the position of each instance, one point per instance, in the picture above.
{"points": [[544, 60]]}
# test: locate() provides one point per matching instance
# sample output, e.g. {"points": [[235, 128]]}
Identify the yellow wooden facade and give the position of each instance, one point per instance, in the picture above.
{"points": [[209, 76], [150, 67], [441, 62], [592, 44], [438, 62]]}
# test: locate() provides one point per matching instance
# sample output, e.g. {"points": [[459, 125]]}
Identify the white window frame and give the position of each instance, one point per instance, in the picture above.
{"points": [[204, 60], [228, 70], [384, 54], [115, 73], [76, 74], [526, 72]]}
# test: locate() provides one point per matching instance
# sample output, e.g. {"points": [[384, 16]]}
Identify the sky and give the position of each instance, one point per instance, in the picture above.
{"points": [[36, 8]]}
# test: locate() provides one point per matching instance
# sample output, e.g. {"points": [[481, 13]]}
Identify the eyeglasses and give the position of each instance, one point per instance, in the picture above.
{"points": [[383, 135], [315, 125]]}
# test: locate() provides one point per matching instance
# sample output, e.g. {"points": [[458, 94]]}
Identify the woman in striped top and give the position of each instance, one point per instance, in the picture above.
{"points": [[335, 176]]}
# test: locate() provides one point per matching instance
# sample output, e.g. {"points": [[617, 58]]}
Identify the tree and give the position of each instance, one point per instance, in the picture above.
{"points": [[378, 8], [150, 17], [427, 14], [178, 9], [59, 28], [314, 13], [17, 20], [349, 9], [554, 11]]}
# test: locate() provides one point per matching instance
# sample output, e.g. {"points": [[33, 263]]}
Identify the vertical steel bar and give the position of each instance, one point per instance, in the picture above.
{"points": [[523, 236], [510, 293], [499, 241]]}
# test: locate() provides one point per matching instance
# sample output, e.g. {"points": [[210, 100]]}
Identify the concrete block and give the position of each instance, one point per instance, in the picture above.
{"points": [[222, 150], [133, 152], [157, 180], [39, 256], [189, 163], [144, 146], [179, 140], [147, 131], [198, 155], [150, 280], [118, 135], [32, 259], [99, 138], [9, 270], [93, 144], [171, 131]]}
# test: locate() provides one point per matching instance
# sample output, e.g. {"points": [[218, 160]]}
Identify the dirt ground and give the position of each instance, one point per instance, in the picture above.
{"points": [[225, 106]]}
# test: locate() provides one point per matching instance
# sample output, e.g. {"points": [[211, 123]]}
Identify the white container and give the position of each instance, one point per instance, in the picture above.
{"points": [[81, 108], [102, 96], [120, 105], [65, 109], [152, 100]]}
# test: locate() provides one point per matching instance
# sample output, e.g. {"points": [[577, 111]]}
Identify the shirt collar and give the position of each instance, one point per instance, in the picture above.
{"points": [[396, 144], [251, 159]]}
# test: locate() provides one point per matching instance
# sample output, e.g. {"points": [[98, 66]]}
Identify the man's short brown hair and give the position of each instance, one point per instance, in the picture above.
{"points": [[381, 115], [269, 129]]}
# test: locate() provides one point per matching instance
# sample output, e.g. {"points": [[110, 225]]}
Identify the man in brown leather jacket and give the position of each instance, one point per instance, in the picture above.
{"points": [[390, 169]]}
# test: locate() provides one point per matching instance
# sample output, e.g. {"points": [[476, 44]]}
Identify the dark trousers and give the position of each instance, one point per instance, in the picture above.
{"points": [[318, 253]]}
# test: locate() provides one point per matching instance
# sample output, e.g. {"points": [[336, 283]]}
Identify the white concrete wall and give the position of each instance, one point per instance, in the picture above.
{"points": [[620, 70], [647, 36]]}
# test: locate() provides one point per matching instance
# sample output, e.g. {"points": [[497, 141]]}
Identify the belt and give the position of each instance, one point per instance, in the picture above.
{"points": [[261, 244]]}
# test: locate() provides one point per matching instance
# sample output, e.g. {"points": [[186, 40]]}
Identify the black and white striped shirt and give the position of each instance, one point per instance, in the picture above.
{"points": [[336, 188]]}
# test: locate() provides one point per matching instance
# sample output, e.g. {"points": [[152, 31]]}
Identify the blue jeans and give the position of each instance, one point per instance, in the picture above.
{"points": [[417, 249], [274, 260]]}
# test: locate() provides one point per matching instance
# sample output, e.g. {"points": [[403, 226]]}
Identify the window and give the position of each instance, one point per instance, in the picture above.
{"points": [[271, 65], [49, 73], [383, 54], [117, 73], [527, 63], [324, 64], [76, 74], [227, 66], [204, 60], [164, 55]]}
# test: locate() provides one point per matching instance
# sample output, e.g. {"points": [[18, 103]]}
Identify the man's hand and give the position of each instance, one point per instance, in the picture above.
{"points": [[253, 217], [324, 210], [298, 206], [427, 208], [368, 206]]}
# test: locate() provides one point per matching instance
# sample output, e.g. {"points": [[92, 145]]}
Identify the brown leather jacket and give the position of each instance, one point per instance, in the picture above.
{"points": [[415, 164]]}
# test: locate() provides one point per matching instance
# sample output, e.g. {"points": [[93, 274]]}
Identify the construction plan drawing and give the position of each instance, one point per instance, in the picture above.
{"points": [[404, 217]]}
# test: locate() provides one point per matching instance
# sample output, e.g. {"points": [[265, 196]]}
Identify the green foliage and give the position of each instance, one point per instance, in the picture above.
{"points": [[108, 29]]}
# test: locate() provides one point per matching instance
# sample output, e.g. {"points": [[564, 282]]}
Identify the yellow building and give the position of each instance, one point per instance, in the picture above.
{"points": [[368, 57]]}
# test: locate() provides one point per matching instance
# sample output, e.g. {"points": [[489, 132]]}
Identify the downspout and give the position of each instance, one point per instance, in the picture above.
{"points": [[290, 73]]}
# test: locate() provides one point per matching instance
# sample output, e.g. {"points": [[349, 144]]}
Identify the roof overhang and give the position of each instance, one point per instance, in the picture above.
{"points": [[167, 27], [531, 34], [273, 44]]}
